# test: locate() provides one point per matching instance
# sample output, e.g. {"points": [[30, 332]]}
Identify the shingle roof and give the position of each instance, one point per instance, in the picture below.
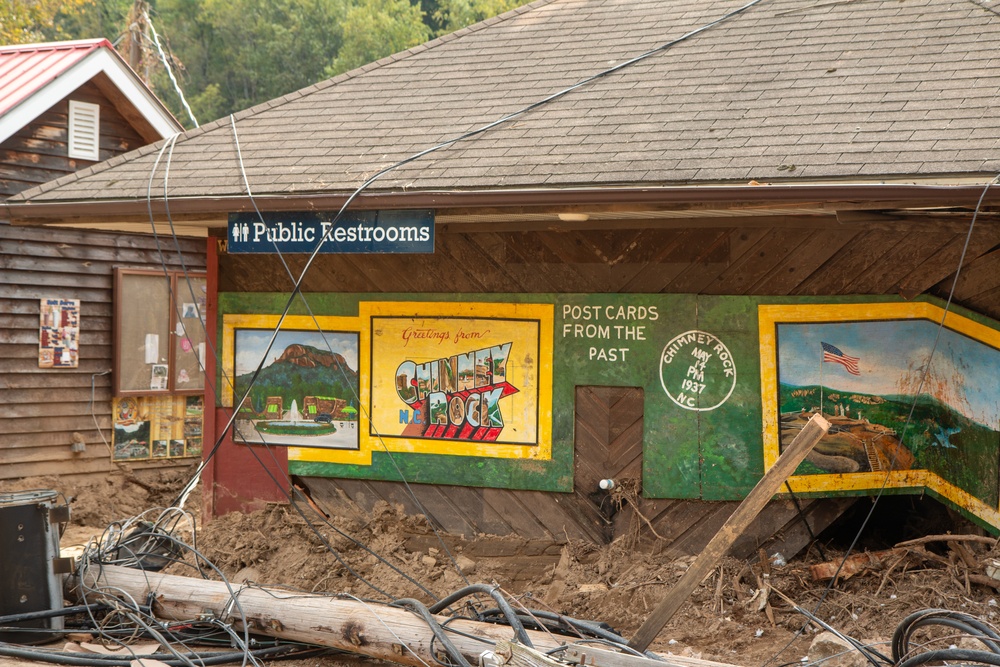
{"points": [[793, 90]]}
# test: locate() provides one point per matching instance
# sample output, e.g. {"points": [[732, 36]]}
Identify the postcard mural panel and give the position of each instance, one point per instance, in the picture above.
{"points": [[297, 387], [912, 403]]}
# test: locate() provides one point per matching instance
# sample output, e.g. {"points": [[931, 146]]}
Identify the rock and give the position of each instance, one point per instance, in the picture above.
{"points": [[429, 561], [594, 588], [247, 574], [831, 651], [466, 564]]}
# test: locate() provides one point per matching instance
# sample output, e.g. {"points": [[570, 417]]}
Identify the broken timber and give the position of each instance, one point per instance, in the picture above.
{"points": [[734, 526], [345, 623]]}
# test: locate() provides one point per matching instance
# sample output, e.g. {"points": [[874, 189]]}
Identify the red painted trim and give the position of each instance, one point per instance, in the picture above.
{"points": [[238, 478], [208, 434]]}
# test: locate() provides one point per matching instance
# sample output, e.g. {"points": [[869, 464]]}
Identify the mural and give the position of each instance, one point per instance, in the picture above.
{"points": [[474, 390], [306, 391], [906, 397]]}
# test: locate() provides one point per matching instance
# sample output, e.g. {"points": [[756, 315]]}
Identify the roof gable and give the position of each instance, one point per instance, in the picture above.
{"points": [[34, 77]]}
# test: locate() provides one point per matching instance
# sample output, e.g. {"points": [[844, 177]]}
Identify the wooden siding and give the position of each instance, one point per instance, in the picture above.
{"points": [[39, 152], [785, 260], [608, 445], [44, 408]]}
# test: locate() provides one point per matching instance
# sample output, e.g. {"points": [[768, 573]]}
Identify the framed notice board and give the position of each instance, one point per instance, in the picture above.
{"points": [[159, 332]]}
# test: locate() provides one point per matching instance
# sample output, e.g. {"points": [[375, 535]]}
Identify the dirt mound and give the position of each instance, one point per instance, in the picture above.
{"points": [[735, 616]]}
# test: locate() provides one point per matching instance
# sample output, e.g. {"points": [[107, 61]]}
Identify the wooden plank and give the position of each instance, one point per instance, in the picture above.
{"points": [[97, 312], [32, 291], [980, 275], [67, 238], [693, 250], [514, 512], [55, 437], [815, 250], [480, 262], [908, 252], [945, 261], [795, 536], [43, 396], [768, 485], [755, 262], [835, 276], [707, 268], [355, 626]]}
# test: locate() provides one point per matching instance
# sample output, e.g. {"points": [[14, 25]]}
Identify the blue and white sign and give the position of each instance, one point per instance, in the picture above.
{"points": [[355, 232]]}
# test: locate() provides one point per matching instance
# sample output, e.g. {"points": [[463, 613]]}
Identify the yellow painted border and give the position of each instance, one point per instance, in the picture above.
{"points": [[230, 323], [769, 316], [543, 313]]}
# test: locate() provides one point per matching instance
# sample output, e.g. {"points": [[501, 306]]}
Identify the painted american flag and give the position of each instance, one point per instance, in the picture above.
{"points": [[834, 355]]}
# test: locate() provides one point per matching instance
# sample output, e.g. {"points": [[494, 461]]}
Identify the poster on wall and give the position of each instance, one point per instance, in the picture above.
{"points": [[908, 399], [146, 427], [59, 333], [306, 393], [455, 380]]}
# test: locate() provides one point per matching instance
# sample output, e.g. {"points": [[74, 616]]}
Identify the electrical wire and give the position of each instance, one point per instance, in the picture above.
{"points": [[298, 282], [170, 71]]}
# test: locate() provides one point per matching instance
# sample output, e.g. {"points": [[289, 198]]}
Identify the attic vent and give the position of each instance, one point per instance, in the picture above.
{"points": [[84, 130]]}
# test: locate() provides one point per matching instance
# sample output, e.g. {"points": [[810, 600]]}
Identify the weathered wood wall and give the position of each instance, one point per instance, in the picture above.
{"points": [[42, 409], [39, 152], [751, 259]]}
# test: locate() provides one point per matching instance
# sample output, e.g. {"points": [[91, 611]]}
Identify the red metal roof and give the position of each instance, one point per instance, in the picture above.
{"points": [[26, 68]]}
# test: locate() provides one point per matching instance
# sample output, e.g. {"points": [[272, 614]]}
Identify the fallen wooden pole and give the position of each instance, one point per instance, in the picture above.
{"points": [[372, 629], [348, 624], [734, 526]]}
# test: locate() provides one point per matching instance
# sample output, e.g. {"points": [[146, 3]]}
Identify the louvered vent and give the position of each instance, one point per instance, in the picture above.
{"points": [[84, 130]]}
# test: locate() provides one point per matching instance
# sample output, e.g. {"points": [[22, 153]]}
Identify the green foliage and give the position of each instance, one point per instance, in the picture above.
{"points": [[93, 18], [27, 21], [374, 29], [232, 54], [238, 53], [454, 14]]}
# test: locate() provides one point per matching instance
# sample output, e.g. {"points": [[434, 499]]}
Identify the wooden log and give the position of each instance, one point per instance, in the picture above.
{"points": [[734, 526], [349, 624], [982, 539]]}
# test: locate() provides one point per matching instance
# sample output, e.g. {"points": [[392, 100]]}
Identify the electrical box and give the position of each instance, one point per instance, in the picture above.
{"points": [[29, 547]]}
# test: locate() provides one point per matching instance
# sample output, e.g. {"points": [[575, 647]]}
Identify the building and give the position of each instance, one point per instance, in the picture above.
{"points": [[654, 212], [64, 107]]}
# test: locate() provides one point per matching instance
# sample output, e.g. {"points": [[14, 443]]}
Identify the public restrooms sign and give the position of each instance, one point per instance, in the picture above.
{"points": [[355, 232]]}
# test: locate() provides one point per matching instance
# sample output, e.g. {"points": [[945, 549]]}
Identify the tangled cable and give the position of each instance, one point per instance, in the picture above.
{"points": [[906, 654]]}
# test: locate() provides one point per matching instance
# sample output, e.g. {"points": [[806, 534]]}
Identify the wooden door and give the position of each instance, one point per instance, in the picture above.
{"points": [[608, 445]]}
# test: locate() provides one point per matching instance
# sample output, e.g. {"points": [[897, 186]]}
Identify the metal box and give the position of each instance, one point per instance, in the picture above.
{"points": [[29, 546]]}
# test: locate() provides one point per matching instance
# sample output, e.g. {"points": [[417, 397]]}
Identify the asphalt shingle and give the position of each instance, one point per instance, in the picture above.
{"points": [[860, 89]]}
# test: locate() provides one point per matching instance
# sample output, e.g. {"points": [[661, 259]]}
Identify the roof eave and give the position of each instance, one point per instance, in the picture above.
{"points": [[834, 196]]}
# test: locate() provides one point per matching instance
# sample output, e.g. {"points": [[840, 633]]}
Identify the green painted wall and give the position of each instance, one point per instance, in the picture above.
{"points": [[711, 449]]}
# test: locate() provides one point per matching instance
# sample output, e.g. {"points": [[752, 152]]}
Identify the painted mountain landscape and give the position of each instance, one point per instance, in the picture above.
{"points": [[892, 404], [307, 394]]}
